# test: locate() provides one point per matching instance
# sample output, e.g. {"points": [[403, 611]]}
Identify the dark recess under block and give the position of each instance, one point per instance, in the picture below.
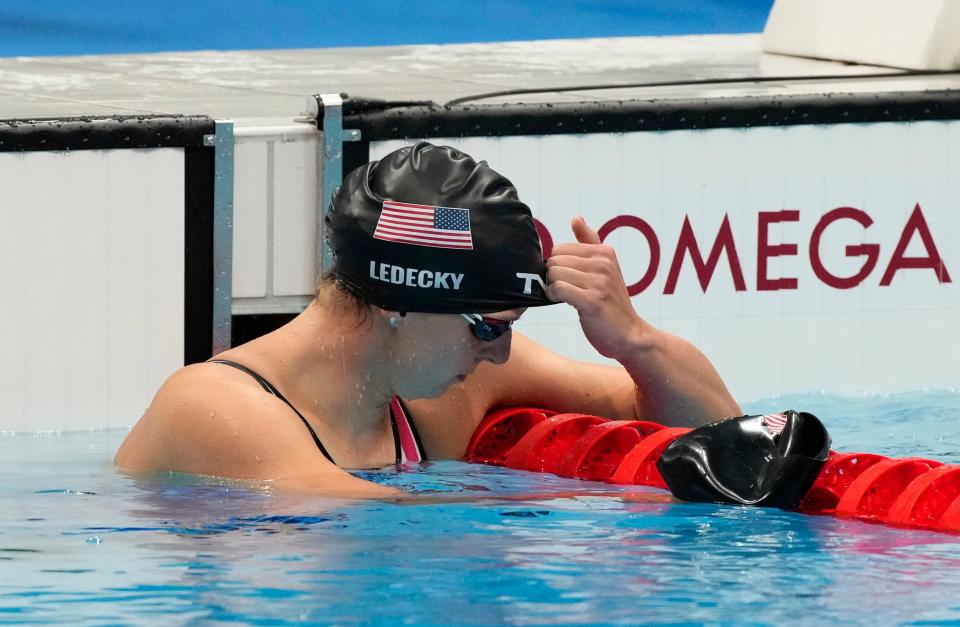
{"points": [[251, 326]]}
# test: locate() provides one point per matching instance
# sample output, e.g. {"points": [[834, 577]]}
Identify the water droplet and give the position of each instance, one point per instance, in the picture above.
{"points": [[213, 414], [257, 457], [94, 540]]}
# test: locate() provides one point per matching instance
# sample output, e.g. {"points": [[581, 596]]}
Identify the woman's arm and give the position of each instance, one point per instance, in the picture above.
{"points": [[662, 377], [675, 383]]}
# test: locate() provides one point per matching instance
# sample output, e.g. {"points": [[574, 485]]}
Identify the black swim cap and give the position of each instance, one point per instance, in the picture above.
{"points": [[429, 229], [769, 460]]}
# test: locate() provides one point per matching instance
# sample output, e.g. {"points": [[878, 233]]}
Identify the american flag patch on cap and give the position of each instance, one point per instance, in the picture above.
{"points": [[774, 423], [424, 225]]}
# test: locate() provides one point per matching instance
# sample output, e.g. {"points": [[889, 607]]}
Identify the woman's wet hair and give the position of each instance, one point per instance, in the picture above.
{"points": [[356, 303]]}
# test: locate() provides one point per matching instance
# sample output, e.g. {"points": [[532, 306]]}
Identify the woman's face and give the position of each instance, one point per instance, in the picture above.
{"points": [[439, 350]]}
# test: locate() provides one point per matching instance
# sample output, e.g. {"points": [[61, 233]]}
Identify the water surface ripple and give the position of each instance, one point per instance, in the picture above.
{"points": [[83, 544]]}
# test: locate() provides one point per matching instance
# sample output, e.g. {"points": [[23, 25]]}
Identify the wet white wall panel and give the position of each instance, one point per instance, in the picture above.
{"points": [[294, 217], [896, 328], [250, 198], [91, 282], [275, 207]]}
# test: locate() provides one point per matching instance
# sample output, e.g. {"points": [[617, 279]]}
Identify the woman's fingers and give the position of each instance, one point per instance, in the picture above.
{"points": [[572, 276], [585, 264], [563, 292], [577, 249], [600, 283], [583, 232]]}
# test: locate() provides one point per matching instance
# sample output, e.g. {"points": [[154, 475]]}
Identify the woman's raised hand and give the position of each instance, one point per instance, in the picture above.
{"points": [[586, 275]]}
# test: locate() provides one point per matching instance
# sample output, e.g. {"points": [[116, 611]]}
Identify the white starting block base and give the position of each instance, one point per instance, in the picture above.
{"points": [[914, 34]]}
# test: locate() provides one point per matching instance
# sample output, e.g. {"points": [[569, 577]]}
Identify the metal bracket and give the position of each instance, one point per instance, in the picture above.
{"points": [[222, 141], [327, 110]]}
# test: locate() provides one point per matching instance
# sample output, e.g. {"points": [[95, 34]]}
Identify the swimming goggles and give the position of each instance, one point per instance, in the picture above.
{"points": [[487, 329]]}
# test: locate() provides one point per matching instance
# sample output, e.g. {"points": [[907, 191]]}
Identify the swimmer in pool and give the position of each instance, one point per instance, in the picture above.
{"points": [[408, 343]]}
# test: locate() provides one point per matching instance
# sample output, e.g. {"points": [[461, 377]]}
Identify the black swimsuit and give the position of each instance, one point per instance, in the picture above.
{"points": [[411, 437]]}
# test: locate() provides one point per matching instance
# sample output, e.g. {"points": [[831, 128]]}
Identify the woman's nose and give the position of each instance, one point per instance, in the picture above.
{"points": [[497, 351]]}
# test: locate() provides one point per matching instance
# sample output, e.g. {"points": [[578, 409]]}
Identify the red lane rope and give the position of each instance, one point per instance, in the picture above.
{"points": [[500, 431], [598, 452], [908, 492], [541, 449]]}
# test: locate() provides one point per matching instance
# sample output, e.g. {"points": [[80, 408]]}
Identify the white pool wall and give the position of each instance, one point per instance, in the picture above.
{"points": [[868, 338], [92, 259], [275, 208]]}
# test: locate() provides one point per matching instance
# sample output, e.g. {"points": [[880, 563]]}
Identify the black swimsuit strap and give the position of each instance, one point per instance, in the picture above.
{"points": [[266, 385]]}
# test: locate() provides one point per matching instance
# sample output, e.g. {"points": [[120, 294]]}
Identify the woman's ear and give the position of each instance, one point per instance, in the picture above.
{"points": [[393, 317]]}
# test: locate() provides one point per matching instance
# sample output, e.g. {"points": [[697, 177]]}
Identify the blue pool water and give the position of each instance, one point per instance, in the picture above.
{"points": [[83, 544], [59, 27]]}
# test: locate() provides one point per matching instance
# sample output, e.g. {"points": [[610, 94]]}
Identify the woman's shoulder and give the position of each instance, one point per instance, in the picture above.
{"points": [[178, 403], [192, 389], [210, 419]]}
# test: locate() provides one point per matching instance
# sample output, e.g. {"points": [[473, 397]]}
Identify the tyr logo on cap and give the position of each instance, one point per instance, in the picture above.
{"points": [[528, 278], [424, 225]]}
